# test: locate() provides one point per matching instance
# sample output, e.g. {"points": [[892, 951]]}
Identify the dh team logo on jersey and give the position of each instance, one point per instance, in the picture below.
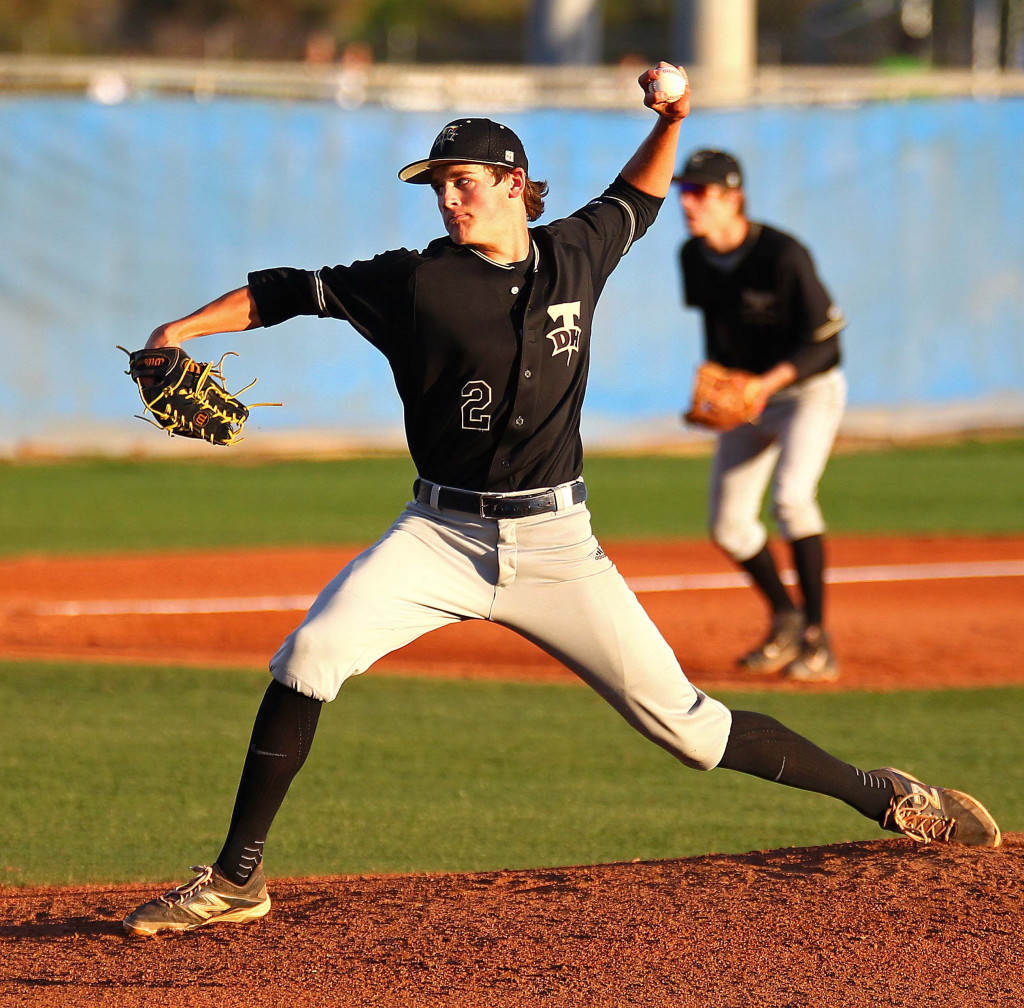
{"points": [[566, 337]]}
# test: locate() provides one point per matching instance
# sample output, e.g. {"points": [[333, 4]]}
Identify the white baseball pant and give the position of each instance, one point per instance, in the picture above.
{"points": [[545, 577], [793, 439]]}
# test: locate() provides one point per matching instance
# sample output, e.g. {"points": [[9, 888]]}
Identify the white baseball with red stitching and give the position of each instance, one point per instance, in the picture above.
{"points": [[671, 82]]}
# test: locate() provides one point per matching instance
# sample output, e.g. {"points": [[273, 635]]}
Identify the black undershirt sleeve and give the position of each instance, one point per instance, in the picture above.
{"points": [[814, 358]]}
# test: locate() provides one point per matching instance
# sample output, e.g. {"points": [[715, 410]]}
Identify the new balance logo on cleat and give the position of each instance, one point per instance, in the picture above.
{"points": [[935, 814], [207, 905]]}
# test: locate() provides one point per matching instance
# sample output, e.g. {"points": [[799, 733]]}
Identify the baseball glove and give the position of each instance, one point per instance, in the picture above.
{"points": [[723, 398], [186, 397]]}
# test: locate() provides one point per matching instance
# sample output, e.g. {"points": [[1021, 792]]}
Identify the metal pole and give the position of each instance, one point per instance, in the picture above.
{"points": [[985, 36], [564, 32], [1015, 35], [726, 36]]}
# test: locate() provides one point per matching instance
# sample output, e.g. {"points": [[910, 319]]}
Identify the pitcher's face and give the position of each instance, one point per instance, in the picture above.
{"points": [[476, 209]]}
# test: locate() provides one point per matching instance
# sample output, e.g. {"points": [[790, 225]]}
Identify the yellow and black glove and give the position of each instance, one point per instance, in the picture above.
{"points": [[187, 398]]}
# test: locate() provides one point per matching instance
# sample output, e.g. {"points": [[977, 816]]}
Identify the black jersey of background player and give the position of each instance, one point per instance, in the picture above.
{"points": [[763, 303], [490, 360]]}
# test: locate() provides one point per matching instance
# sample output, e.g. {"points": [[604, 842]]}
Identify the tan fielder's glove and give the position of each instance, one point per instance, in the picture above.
{"points": [[724, 398]]}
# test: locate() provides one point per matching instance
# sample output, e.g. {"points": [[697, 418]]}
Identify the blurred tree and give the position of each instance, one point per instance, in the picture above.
{"points": [[58, 26], [477, 31]]}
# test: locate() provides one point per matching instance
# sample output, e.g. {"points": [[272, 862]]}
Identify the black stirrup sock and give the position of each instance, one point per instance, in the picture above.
{"points": [[761, 567], [809, 561], [281, 738], [763, 747]]}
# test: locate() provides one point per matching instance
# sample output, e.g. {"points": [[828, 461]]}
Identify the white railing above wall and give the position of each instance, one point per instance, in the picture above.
{"points": [[426, 87]]}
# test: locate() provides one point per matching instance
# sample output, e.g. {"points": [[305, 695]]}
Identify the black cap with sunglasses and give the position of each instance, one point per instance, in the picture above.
{"points": [[710, 167]]}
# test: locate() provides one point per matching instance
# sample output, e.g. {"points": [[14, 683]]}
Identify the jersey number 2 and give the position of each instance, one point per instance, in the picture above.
{"points": [[476, 397]]}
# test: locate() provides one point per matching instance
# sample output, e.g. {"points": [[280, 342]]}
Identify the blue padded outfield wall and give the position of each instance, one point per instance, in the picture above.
{"points": [[118, 218]]}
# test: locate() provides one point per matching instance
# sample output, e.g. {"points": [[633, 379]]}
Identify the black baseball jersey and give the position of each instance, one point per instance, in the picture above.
{"points": [[490, 360], [762, 304]]}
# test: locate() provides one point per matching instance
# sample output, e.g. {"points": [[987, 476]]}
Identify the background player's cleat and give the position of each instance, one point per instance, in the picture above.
{"points": [[816, 661], [926, 813], [209, 898], [780, 647]]}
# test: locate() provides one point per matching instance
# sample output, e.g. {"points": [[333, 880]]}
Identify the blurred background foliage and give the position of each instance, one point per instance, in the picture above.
{"points": [[472, 31]]}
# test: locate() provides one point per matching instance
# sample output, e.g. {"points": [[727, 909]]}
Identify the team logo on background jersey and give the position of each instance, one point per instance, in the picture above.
{"points": [[759, 306], [566, 337]]}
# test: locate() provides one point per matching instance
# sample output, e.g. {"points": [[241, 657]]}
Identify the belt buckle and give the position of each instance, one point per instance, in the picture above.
{"points": [[493, 507], [518, 507]]}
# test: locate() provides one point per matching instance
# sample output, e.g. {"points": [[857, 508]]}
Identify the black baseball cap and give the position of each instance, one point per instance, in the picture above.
{"points": [[469, 141], [711, 167]]}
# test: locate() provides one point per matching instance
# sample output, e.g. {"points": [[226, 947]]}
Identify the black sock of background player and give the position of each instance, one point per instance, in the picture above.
{"points": [[761, 567], [761, 746], [281, 738], [809, 561]]}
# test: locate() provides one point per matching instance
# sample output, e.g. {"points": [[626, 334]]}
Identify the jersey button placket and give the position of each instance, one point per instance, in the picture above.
{"points": [[527, 391]]}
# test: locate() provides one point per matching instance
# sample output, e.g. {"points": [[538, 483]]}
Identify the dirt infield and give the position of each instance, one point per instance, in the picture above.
{"points": [[931, 628], [864, 924]]}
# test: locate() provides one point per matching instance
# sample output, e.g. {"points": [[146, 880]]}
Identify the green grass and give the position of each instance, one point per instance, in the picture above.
{"points": [[86, 506], [83, 506], [971, 487], [115, 774]]}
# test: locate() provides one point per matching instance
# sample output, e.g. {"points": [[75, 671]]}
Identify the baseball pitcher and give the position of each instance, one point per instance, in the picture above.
{"points": [[487, 331]]}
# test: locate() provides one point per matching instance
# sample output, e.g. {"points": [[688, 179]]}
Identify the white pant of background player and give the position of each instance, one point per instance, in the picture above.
{"points": [[792, 439], [544, 577]]}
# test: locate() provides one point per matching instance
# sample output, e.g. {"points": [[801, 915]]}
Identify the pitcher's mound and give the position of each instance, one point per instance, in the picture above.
{"points": [[885, 922]]}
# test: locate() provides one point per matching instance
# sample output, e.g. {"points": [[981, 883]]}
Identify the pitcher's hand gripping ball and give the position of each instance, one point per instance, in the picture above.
{"points": [[671, 82], [724, 398], [186, 397]]}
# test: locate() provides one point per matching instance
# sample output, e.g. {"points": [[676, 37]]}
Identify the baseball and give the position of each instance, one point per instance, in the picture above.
{"points": [[671, 83]]}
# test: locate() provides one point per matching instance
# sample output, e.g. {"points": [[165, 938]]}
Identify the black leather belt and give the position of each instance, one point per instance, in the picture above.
{"points": [[486, 505]]}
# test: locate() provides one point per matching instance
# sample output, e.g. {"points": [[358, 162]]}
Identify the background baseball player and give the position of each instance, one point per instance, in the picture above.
{"points": [[766, 312], [488, 334]]}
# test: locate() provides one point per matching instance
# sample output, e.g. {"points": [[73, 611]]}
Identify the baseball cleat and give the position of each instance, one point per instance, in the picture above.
{"points": [[926, 813], [780, 647], [209, 898], [815, 663]]}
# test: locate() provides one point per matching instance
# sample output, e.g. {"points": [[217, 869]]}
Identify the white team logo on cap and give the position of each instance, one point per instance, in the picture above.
{"points": [[449, 133], [509, 156], [567, 336]]}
